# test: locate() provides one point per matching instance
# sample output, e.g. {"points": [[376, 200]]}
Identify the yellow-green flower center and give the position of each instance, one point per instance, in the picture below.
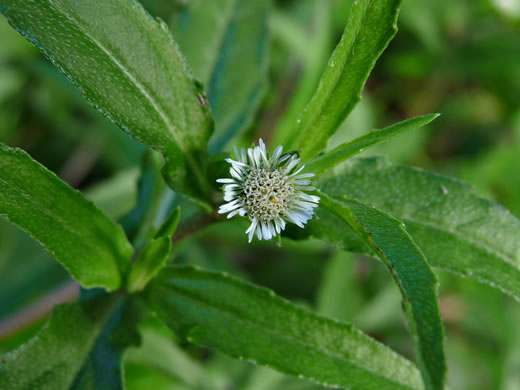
{"points": [[267, 194]]}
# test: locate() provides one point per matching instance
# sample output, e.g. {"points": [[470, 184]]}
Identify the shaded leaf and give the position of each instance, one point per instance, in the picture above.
{"points": [[22, 263], [225, 43], [89, 358], [170, 224], [250, 322], [160, 352], [140, 222]]}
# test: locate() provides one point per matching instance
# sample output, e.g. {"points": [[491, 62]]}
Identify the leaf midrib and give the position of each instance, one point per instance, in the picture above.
{"points": [[63, 222], [330, 91], [468, 238], [253, 325], [96, 334], [140, 87]]}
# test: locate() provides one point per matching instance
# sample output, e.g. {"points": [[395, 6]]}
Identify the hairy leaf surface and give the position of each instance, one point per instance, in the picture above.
{"points": [[455, 229], [417, 282], [250, 322], [90, 246], [127, 65]]}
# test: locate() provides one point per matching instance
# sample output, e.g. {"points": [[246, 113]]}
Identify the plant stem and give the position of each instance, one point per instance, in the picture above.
{"points": [[195, 224]]}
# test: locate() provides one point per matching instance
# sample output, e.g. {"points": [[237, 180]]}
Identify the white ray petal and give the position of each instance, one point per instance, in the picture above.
{"points": [[277, 153], [292, 163], [251, 230], [304, 175], [258, 232], [310, 198], [285, 157], [250, 154], [297, 171], [232, 214], [231, 186], [277, 226]]}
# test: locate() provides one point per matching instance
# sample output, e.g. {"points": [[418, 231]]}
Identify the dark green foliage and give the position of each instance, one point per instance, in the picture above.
{"points": [[228, 73], [81, 347], [127, 65], [251, 323], [389, 240], [455, 229]]}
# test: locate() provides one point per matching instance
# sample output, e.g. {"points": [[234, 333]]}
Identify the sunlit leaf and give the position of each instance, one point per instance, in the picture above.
{"points": [[455, 229], [358, 145], [90, 246], [127, 65], [371, 26]]}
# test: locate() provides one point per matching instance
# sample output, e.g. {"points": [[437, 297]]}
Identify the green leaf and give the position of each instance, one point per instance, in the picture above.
{"points": [[140, 223], [225, 43], [250, 322], [349, 149], [311, 43], [90, 246], [127, 65], [80, 348], [417, 282], [160, 352], [371, 26], [149, 262], [170, 224], [455, 229]]}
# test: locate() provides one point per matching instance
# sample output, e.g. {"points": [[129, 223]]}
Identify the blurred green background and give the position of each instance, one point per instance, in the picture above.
{"points": [[459, 57]]}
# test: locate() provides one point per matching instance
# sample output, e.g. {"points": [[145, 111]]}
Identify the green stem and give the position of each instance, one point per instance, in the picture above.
{"points": [[195, 224]]}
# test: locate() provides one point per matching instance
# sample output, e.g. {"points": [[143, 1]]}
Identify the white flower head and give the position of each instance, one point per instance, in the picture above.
{"points": [[269, 190]]}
